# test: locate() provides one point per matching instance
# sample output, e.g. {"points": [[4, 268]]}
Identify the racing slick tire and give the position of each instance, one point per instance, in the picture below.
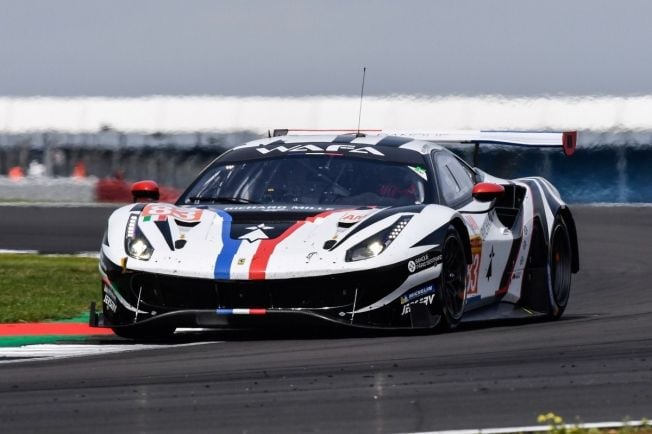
{"points": [[559, 268], [144, 333], [452, 280]]}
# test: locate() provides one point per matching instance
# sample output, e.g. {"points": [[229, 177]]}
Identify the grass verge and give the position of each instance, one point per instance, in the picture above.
{"points": [[40, 288]]}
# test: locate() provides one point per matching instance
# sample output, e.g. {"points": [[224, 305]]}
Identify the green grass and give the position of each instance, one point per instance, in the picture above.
{"points": [[40, 288], [556, 425]]}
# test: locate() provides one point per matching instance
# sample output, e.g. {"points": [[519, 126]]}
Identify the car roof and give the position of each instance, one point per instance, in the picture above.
{"points": [[375, 140]]}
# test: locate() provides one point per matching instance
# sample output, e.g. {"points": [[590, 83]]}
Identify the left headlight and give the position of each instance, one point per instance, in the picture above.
{"points": [[376, 244], [139, 248], [136, 244]]}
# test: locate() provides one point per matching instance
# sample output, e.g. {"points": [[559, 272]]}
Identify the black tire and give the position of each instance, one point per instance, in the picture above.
{"points": [[560, 258], [144, 333], [452, 280]]}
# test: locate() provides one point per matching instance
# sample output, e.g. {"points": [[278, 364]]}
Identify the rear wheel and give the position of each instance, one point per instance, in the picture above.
{"points": [[452, 280], [559, 268]]}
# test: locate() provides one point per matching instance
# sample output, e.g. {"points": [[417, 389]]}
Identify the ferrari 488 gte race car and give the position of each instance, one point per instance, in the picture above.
{"points": [[378, 231]]}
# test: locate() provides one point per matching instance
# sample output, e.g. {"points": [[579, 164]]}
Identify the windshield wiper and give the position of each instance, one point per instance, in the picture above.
{"points": [[225, 199]]}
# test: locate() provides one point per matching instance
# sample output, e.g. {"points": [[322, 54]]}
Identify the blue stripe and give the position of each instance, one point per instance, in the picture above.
{"points": [[224, 311], [229, 248]]}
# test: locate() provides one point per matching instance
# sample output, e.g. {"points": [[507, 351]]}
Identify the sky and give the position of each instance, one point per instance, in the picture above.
{"points": [[129, 48]]}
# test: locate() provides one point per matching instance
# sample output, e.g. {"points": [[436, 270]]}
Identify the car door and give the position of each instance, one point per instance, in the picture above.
{"points": [[490, 240]]}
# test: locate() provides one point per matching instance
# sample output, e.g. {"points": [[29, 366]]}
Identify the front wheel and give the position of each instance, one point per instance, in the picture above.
{"points": [[559, 268], [452, 280]]}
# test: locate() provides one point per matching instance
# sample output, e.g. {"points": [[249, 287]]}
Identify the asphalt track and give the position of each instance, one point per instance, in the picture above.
{"points": [[595, 364]]}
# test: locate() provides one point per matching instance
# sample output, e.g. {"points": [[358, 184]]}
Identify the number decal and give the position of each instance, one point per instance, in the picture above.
{"points": [[158, 212], [474, 268]]}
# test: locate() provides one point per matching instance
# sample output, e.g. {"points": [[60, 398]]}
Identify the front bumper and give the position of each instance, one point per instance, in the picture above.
{"points": [[137, 298], [219, 320]]}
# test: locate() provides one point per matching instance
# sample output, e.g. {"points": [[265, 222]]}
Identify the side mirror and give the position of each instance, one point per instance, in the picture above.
{"points": [[145, 191], [487, 191]]}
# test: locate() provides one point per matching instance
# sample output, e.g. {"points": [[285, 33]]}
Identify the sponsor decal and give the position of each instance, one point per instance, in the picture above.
{"points": [[424, 261], [241, 261], [351, 218], [323, 149], [471, 221], [161, 212], [277, 208], [256, 233], [418, 293], [427, 300], [486, 226], [420, 170], [309, 256], [109, 303]]}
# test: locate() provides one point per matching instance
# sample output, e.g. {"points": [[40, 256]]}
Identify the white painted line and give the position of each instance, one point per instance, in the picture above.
{"points": [[540, 428], [53, 351], [614, 204], [95, 255], [26, 252], [63, 204]]}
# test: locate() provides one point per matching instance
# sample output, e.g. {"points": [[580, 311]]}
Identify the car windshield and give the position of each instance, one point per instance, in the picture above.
{"points": [[311, 179]]}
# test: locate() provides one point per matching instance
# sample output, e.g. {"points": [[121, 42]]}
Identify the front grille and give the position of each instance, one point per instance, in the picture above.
{"points": [[166, 292]]}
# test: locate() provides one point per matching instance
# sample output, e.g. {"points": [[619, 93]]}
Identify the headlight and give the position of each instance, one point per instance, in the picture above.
{"points": [[139, 248], [376, 244], [136, 245]]}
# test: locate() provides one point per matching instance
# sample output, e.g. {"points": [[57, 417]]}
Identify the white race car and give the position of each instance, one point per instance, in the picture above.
{"points": [[379, 231]]}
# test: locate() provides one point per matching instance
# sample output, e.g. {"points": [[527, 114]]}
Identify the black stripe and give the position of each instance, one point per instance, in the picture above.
{"points": [[387, 212], [394, 141], [344, 138], [511, 259], [164, 227], [552, 201], [436, 237], [539, 207]]}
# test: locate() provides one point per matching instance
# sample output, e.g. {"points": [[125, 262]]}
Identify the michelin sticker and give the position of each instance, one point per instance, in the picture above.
{"points": [[420, 292]]}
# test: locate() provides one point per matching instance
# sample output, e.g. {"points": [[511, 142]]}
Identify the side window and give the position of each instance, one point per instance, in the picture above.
{"points": [[455, 180]]}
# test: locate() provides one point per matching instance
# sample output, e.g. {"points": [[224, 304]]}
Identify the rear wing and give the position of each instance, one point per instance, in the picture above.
{"points": [[566, 140]]}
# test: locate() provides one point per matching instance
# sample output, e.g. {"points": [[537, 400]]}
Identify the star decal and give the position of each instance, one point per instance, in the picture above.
{"points": [[256, 233]]}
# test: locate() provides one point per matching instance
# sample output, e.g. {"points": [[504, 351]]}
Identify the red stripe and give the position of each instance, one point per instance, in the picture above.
{"points": [[266, 248], [54, 328], [257, 311]]}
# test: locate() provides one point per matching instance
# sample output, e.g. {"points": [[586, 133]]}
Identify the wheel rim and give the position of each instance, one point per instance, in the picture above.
{"points": [[560, 263], [454, 287]]}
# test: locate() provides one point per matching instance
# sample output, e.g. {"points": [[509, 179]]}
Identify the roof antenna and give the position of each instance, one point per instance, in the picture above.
{"points": [[364, 72]]}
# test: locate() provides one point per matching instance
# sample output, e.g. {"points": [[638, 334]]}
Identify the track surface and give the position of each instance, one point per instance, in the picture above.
{"points": [[596, 363], [49, 229]]}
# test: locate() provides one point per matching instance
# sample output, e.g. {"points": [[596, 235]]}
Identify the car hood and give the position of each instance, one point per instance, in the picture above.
{"points": [[255, 242]]}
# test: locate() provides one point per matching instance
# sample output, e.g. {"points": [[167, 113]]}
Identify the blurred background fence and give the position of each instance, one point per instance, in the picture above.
{"points": [[614, 168]]}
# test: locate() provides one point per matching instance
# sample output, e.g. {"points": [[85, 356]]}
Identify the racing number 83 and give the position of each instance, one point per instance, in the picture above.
{"points": [[165, 211]]}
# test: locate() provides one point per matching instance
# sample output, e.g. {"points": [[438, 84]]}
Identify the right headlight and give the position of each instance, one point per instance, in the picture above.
{"points": [[376, 244]]}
